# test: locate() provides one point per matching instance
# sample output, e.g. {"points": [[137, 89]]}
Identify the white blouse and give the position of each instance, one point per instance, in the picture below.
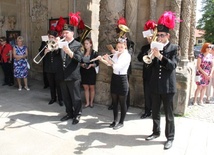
{"points": [[121, 63]]}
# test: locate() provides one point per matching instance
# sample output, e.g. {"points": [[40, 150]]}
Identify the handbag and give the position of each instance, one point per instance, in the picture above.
{"points": [[197, 78], [28, 65], [97, 69]]}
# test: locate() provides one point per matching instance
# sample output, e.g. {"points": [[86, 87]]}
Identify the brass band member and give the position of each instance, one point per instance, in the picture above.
{"points": [[163, 79], [147, 71], [53, 69], [119, 81], [70, 86]]}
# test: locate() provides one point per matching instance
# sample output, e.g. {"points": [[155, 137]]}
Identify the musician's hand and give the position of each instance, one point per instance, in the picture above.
{"points": [[67, 50], [156, 52], [105, 57], [113, 51], [46, 51]]}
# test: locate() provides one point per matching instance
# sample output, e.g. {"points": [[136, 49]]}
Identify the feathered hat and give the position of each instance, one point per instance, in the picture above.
{"points": [[80, 27], [166, 21], [121, 21], [73, 21], [150, 25]]}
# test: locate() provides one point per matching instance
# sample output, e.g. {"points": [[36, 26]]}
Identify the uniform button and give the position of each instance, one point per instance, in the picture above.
{"points": [[159, 73], [160, 70], [160, 66], [159, 77]]}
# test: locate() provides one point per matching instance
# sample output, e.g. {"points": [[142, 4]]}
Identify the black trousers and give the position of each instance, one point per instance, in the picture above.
{"points": [[54, 84], [8, 72], [167, 100], [147, 96], [71, 94]]}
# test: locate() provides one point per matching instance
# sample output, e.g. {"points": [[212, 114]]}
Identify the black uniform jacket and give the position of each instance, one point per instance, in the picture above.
{"points": [[147, 70], [163, 79], [52, 60], [71, 66]]}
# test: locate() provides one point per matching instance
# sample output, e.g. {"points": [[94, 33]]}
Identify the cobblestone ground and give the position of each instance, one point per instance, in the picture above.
{"points": [[203, 112]]}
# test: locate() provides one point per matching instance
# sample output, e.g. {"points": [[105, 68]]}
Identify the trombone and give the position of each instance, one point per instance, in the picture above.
{"points": [[51, 45]]}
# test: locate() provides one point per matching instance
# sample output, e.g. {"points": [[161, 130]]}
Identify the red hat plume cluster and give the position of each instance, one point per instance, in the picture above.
{"points": [[74, 18], [121, 21], [167, 19], [150, 24]]}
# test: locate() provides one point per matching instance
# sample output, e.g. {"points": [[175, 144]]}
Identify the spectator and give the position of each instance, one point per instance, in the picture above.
{"points": [[88, 73], [20, 54], [204, 72]]}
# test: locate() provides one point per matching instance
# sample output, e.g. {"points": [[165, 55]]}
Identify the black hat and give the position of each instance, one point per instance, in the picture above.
{"points": [[68, 27], [53, 33], [163, 28]]}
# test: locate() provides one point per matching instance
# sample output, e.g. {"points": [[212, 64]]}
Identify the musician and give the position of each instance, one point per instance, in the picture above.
{"points": [[119, 81], [70, 86], [53, 69], [163, 80], [130, 46], [147, 71]]}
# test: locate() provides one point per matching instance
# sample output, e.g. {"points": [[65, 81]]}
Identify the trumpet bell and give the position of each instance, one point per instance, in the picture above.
{"points": [[147, 59], [123, 29]]}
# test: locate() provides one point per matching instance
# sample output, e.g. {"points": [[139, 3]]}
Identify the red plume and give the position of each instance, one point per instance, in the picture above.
{"points": [[81, 25], [167, 19], [74, 18], [60, 24], [122, 21], [150, 24]]}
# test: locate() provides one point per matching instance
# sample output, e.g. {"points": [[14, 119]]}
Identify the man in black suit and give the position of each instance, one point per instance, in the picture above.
{"points": [[163, 84], [53, 69], [147, 72], [71, 90]]}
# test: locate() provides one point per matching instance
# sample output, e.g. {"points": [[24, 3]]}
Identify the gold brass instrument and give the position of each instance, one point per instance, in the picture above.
{"points": [[51, 46], [148, 58], [123, 29], [85, 33]]}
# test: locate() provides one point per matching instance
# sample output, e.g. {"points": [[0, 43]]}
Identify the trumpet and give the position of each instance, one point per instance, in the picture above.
{"points": [[51, 46], [149, 57]]}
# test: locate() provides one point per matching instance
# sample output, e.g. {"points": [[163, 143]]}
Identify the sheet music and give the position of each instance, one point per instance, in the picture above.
{"points": [[158, 45], [62, 44], [147, 33], [45, 38]]}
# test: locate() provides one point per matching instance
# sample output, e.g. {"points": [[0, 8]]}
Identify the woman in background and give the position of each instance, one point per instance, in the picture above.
{"points": [[204, 72], [20, 54], [88, 73]]}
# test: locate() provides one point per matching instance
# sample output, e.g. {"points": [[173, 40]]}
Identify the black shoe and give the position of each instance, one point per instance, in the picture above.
{"points": [[168, 144], [112, 125], [110, 107], [118, 126], [61, 103], [145, 115], [45, 87], [4, 84], [152, 136], [11, 84], [76, 120], [52, 101], [66, 117]]}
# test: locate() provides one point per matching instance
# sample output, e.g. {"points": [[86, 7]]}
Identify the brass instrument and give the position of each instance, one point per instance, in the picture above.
{"points": [[123, 29], [85, 33], [148, 58], [51, 46]]}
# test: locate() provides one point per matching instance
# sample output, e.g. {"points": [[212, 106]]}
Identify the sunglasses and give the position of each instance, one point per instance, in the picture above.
{"points": [[121, 40], [209, 47], [1, 40], [161, 35]]}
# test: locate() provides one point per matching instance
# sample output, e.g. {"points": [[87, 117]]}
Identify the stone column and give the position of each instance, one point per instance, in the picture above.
{"points": [[110, 12], [185, 29], [153, 10], [192, 31], [176, 7]]}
